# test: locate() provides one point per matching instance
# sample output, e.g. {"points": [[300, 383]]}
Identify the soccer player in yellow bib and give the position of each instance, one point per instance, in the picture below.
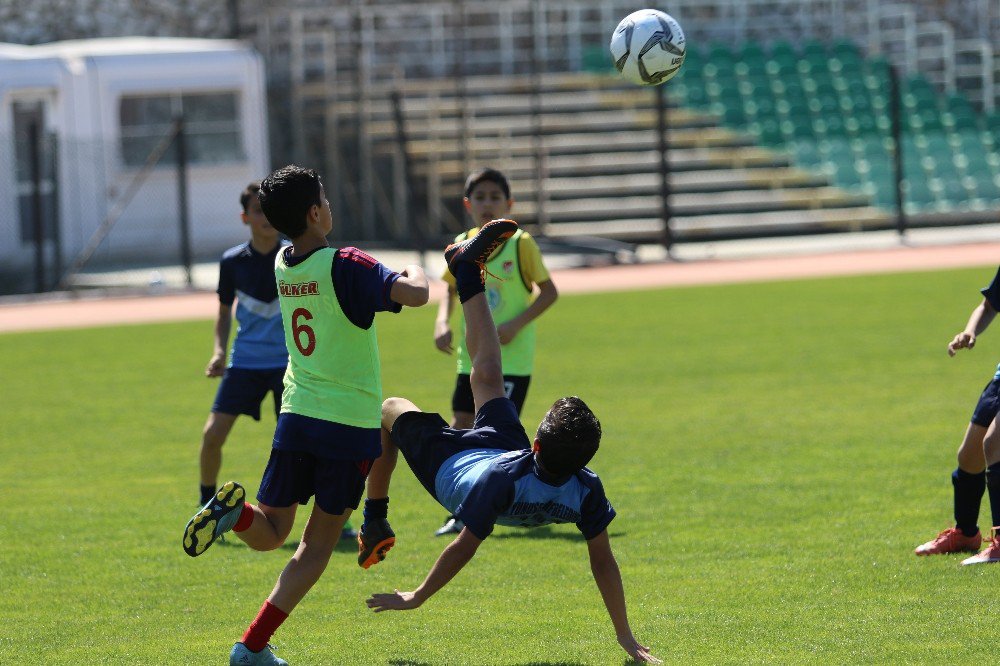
{"points": [[328, 434], [514, 271]]}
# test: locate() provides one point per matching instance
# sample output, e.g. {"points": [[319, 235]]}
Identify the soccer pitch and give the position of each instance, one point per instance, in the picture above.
{"points": [[774, 452]]}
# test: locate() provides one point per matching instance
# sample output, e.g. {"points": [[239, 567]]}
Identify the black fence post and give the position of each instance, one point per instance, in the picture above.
{"points": [[37, 219], [414, 225], [895, 116], [182, 198], [663, 145]]}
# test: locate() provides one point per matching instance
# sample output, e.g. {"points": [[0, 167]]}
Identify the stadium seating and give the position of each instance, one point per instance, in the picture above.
{"points": [[828, 107]]}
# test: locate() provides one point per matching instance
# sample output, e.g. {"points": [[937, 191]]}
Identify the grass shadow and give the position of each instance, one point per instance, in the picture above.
{"points": [[543, 532]]}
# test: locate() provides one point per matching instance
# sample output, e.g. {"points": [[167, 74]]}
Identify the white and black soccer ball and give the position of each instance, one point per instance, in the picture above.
{"points": [[647, 47]]}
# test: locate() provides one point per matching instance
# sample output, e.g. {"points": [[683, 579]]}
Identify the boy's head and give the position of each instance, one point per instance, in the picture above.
{"points": [[289, 197], [568, 437], [487, 196], [253, 216]]}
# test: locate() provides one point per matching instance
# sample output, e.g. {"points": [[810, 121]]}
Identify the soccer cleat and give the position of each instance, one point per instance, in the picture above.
{"points": [[242, 656], [453, 525], [950, 541], [989, 554], [477, 250], [348, 531], [374, 541], [214, 519]]}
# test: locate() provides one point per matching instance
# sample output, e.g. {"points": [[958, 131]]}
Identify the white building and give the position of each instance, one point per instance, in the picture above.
{"points": [[104, 105]]}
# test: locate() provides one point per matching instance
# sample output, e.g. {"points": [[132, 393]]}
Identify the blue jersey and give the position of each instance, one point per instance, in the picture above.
{"points": [[484, 487], [992, 296], [247, 277]]}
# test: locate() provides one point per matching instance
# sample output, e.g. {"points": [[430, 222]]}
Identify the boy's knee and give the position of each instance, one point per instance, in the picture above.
{"points": [[392, 408]]}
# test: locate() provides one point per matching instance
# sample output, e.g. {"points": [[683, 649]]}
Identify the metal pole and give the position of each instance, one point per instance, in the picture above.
{"points": [[414, 225], [895, 116], [182, 198], [37, 220], [541, 215], [234, 19], [660, 94]]}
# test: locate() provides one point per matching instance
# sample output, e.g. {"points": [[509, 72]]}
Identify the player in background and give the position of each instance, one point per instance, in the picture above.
{"points": [[257, 361], [328, 431], [493, 473], [978, 455], [514, 271]]}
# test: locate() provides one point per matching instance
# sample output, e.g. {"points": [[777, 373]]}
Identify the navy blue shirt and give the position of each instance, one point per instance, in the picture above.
{"points": [[247, 277], [992, 292], [495, 484]]}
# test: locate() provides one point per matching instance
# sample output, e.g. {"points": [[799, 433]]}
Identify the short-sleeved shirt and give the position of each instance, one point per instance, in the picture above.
{"points": [[529, 255], [511, 273], [247, 277], [362, 285], [489, 483]]}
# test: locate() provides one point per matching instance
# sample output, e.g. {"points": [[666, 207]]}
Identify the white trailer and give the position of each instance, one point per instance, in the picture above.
{"points": [[103, 106]]}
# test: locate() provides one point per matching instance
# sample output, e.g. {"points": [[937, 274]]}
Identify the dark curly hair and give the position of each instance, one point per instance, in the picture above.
{"points": [[568, 436], [286, 197]]}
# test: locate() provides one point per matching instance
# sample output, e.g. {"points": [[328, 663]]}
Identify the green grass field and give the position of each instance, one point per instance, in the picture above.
{"points": [[774, 451]]}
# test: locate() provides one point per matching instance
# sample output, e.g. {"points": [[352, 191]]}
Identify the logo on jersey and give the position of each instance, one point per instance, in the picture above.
{"points": [[493, 298], [298, 288], [508, 267]]}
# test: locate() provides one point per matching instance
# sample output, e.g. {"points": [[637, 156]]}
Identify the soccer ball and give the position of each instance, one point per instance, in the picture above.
{"points": [[647, 47]]}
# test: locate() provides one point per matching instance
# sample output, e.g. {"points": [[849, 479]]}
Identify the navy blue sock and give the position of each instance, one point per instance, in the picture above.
{"points": [[376, 508], [993, 487], [207, 492], [468, 281], [969, 489]]}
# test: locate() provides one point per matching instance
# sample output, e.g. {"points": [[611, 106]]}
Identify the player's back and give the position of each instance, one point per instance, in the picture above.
{"points": [[503, 487]]}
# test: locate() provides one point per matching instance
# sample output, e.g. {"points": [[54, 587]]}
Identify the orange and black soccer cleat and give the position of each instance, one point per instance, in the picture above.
{"points": [[477, 250], [950, 541], [374, 541], [989, 554]]}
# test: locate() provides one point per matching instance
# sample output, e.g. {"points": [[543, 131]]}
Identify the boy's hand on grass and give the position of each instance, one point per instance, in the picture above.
{"points": [[442, 337], [216, 366], [639, 653], [963, 340], [395, 601]]}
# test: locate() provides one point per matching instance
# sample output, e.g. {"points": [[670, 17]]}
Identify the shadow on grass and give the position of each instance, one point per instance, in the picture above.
{"points": [[544, 532]]}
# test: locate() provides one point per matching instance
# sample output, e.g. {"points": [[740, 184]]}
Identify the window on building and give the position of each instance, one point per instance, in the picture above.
{"points": [[211, 124]]}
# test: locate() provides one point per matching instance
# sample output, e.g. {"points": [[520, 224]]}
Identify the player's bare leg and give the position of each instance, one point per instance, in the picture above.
{"points": [[213, 436]]}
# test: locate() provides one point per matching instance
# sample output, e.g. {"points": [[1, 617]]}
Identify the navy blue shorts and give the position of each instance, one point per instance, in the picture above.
{"points": [[241, 391], [989, 404], [427, 440], [292, 477], [515, 386]]}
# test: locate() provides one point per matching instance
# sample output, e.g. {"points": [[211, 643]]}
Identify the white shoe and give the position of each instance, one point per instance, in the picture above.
{"points": [[451, 526]]}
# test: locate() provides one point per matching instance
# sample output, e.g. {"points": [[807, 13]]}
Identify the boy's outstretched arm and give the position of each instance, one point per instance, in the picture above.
{"points": [[455, 556], [609, 582], [411, 288], [979, 320]]}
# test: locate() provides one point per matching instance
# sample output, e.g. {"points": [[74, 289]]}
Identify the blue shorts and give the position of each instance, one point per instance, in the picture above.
{"points": [[989, 404], [241, 391], [292, 477], [426, 440]]}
